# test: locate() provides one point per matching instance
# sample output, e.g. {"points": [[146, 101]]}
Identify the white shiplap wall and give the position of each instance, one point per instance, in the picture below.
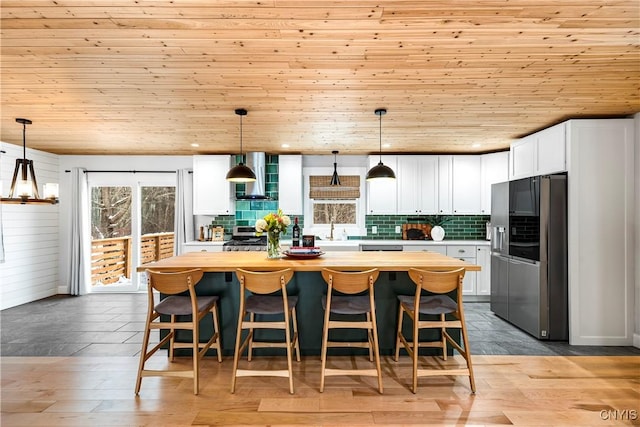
{"points": [[30, 233]]}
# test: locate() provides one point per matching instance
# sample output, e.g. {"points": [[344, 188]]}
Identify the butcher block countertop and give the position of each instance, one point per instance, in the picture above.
{"points": [[384, 261]]}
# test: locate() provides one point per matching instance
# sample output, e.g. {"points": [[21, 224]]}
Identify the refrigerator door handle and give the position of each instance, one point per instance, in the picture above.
{"points": [[495, 240], [499, 232]]}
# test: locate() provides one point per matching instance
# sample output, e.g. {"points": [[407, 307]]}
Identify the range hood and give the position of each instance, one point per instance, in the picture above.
{"points": [[255, 190]]}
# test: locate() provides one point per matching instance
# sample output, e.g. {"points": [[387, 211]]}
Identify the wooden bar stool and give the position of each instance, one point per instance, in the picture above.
{"points": [[355, 297], [439, 305], [261, 301], [186, 312]]}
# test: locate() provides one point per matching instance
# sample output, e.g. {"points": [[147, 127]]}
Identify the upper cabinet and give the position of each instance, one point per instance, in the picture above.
{"points": [[443, 184], [466, 185], [382, 193], [494, 168], [417, 182], [290, 197], [541, 153], [212, 193], [551, 148]]}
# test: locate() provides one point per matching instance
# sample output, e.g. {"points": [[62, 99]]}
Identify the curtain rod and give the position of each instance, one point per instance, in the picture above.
{"points": [[121, 171]]}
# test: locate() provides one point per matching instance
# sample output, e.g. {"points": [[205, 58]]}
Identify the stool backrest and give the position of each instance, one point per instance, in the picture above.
{"points": [[264, 282], [171, 283], [438, 282], [350, 282]]}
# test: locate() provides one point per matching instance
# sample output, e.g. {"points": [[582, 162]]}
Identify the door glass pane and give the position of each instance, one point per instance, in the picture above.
{"points": [[157, 223], [110, 235]]}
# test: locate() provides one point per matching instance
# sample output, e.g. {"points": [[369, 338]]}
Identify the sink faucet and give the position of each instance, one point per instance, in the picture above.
{"points": [[331, 233]]}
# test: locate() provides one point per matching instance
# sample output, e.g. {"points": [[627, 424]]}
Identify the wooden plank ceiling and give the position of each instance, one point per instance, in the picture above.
{"points": [[156, 76]]}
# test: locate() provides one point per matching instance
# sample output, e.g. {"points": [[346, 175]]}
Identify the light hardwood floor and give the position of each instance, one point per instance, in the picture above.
{"points": [[511, 390]]}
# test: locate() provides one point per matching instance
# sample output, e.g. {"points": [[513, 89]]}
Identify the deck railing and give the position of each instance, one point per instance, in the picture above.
{"points": [[111, 258]]}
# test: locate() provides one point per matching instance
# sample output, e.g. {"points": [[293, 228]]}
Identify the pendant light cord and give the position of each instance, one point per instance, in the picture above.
{"points": [[24, 141], [241, 152], [380, 134]]}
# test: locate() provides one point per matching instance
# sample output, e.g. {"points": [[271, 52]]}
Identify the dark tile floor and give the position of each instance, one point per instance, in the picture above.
{"points": [[112, 325]]}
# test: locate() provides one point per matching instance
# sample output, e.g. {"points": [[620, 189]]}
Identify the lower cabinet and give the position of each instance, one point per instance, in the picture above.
{"points": [[477, 283], [483, 277], [468, 254]]}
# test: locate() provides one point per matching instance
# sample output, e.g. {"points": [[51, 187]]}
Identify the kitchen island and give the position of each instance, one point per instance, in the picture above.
{"points": [[308, 284]]}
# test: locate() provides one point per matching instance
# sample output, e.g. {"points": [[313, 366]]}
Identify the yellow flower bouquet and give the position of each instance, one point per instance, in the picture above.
{"points": [[274, 224]]}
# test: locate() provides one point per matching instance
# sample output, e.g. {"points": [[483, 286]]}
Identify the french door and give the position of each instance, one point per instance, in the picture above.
{"points": [[132, 222]]}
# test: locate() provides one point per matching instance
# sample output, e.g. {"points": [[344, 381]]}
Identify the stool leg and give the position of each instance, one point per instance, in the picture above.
{"points": [[296, 337], [196, 355], [287, 335], [467, 355], [216, 330], [399, 331], [250, 350], [416, 349], [236, 353], [370, 339], [172, 331], [374, 330], [143, 355], [443, 331], [325, 339]]}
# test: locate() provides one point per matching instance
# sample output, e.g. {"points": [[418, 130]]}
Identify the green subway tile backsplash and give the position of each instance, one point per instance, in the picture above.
{"points": [[459, 227]]}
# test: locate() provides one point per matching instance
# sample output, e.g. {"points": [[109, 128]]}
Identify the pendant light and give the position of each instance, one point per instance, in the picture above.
{"points": [[25, 188], [380, 171], [241, 172], [335, 179]]}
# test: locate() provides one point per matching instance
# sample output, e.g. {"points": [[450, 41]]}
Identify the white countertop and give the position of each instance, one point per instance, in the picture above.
{"points": [[354, 243]]}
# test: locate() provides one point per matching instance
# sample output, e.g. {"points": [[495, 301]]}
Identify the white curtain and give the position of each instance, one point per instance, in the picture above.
{"points": [[184, 210], [80, 246], [1, 238]]}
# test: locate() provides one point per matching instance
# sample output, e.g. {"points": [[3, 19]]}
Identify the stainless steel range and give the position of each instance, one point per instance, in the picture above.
{"points": [[244, 239]]}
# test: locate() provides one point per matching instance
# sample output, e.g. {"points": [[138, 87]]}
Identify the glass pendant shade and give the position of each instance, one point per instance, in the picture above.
{"points": [[24, 188], [380, 171], [51, 190], [241, 172]]}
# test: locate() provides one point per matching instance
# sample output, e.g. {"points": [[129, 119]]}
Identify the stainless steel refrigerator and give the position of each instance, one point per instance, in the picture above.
{"points": [[529, 285]]}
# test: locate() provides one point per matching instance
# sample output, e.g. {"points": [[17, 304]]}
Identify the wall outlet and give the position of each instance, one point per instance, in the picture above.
{"points": [[398, 229], [374, 229]]}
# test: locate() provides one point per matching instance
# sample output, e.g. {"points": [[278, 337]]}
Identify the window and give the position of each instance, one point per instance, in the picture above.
{"points": [[326, 212], [343, 207]]}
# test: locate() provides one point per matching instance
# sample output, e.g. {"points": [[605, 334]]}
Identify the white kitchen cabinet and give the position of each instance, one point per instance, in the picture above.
{"points": [[551, 150], [445, 185], [441, 249], [290, 196], [541, 153], [212, 193], [483, 277], [382, 193], [601, 256], [494, 168], [465, 253], [417, 185], [466, 185], [522, 160]]}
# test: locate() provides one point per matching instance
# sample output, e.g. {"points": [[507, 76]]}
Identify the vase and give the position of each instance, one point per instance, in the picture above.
{"points": [[437, 233], [273, 244]]}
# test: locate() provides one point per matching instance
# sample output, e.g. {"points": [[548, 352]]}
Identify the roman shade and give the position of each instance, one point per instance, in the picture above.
{"points": [[320, 188]]}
